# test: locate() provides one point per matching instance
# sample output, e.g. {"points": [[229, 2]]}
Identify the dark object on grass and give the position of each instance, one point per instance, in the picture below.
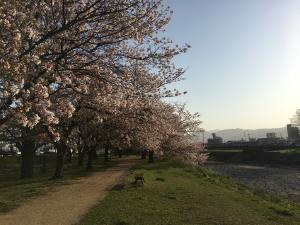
{"points": [[160, 179], [139, 176], [118, 187]]}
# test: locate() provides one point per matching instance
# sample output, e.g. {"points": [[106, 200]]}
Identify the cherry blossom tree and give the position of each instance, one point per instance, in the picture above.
{"points": [[92, 69], [58, 46], [180, 142]]}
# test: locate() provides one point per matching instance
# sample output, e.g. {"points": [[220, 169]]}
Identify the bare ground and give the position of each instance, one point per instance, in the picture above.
{"points": [[281, 180], [67, 204]]}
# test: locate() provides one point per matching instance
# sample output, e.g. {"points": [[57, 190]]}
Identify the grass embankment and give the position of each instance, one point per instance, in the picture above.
{"points": [[225, 150], [288, 151], [178, 195], [14, 191]]}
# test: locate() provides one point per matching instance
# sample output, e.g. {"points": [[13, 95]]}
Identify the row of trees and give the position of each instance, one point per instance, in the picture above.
{"points": [[89, 73]]}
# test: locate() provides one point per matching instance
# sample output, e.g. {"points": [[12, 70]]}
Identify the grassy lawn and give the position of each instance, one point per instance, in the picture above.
{"points": [[14, 191], [177, 195]]}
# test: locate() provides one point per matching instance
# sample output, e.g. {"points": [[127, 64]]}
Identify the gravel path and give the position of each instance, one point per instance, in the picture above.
{"points": [[281, 180], [67, 203]]}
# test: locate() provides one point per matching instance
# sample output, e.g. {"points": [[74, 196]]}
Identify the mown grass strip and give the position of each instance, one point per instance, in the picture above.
{"points": [[178, 195]]}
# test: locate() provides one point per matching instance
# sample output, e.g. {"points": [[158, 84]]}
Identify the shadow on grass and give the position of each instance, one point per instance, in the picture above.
{"points": [[282, 211], [118, 187]]}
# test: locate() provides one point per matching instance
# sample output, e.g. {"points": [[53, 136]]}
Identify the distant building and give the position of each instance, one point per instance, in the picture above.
{"points": [[215, 140], [271, 135], [293, 133]]}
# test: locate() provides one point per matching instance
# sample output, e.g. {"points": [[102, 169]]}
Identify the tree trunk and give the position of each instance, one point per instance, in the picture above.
{"points": [[95, 156], [120, 153], [60, 155], [143, 154], [69, 156], [151, 157], [106, 154], [27, 158], [44, 163], [81, 155], [91, 156]]}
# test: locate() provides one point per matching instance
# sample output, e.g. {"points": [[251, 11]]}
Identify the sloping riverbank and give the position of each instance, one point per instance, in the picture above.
{"points": [[175, 194]]}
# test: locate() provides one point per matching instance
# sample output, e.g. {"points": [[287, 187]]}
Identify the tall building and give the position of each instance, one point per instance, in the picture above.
{"points": [[293, 132]]}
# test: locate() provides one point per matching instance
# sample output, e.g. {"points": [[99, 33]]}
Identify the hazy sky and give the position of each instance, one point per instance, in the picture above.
{"points": [[244, 65]]}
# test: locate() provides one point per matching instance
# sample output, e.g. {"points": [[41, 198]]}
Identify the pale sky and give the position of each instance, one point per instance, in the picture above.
{"points": [[243, 70]]}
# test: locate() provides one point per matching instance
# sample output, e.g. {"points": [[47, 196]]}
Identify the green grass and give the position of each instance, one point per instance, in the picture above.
{"points": [[224, 150], [178, 195], [14, 191], [288, 151]]}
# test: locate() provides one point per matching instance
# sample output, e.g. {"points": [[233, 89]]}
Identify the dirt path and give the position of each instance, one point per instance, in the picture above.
{"points": [[67, 203]]}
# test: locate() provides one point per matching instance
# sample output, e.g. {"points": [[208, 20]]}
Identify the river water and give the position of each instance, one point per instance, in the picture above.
{"points": [[276, 179]]}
